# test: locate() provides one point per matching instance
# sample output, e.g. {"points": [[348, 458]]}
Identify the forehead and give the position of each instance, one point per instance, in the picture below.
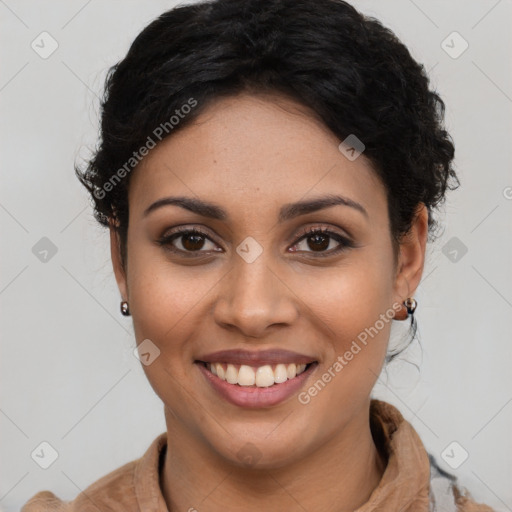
{"points": [[253, 152]]}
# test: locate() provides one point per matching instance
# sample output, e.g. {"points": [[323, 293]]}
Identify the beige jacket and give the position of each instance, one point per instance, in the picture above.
{"points": [[411, 481]]}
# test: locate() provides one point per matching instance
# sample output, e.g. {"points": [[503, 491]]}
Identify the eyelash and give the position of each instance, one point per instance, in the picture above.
{"points": [[345, 243]]}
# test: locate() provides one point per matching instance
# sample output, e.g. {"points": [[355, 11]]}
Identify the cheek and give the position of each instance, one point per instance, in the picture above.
{"points": [[165, 300], [353, 307], [352, 297]]}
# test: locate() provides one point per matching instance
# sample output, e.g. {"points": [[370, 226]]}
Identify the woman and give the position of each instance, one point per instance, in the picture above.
{"points": [[269, 173]]}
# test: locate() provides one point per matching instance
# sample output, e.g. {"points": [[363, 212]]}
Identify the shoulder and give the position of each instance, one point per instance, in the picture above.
{"points": [[112, 492], [129, 488], [45, 501]]}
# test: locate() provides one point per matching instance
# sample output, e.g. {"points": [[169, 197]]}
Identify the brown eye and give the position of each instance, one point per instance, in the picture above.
{"points": [[320, 241], [192, 242], [188, 241]]}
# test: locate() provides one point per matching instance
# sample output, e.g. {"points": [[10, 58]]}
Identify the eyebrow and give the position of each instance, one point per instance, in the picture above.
{"points": [[287, 211]]}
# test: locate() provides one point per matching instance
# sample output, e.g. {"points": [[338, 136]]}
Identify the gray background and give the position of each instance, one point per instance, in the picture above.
{"points": [[68, 373]]}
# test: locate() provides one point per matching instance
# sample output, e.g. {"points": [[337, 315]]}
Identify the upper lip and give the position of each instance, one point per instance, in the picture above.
{"points": [[256, 357]]}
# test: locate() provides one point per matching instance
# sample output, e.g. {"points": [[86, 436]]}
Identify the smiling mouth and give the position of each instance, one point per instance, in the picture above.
{"points": [[256, 376]]}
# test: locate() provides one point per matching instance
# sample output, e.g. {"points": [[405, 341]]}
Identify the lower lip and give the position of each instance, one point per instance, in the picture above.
{"points": [[253, 396]]}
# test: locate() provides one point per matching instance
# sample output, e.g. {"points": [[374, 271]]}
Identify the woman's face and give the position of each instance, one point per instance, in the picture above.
{"points": [[252, 284]]}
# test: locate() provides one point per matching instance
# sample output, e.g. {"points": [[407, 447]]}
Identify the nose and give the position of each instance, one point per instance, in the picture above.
{"points": [[253, 297]]}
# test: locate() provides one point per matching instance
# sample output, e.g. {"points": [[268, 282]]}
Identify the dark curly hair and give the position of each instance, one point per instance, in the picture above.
{"points": [[350, 71]]}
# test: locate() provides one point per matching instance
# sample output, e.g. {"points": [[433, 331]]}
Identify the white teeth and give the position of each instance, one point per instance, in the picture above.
{"points": [[232, 374], [220, 371], [291, 370], [246, 376], [280, 374], [263, 376]]}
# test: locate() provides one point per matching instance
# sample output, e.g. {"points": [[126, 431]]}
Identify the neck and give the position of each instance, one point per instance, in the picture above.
{"points": [[336, 477]]}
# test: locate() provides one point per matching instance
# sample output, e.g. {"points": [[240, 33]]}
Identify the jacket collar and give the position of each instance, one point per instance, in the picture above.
{"points": [[404, 485]]}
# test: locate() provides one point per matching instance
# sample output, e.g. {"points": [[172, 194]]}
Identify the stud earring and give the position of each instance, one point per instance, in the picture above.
{"points": [[409, 306], [125, 310]]}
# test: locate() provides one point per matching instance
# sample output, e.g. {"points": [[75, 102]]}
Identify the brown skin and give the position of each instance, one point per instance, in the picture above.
{"points": [[251, 155]]}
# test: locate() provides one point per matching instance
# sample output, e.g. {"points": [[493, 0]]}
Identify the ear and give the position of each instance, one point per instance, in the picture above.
{"points": [[115, 253], [411, 258]]}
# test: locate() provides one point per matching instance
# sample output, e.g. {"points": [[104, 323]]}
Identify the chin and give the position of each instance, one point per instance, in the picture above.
{"points": [[258, 450]]}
